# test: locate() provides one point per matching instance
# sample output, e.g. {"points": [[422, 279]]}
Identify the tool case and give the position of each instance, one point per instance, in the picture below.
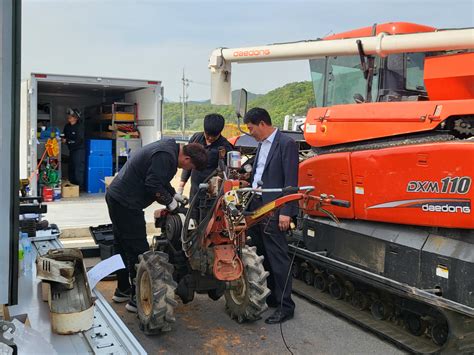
{"points": [[103, 236]]}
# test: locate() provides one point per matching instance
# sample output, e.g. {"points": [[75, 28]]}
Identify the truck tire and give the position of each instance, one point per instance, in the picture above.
{"points": [[155, 292], [247, 301]]}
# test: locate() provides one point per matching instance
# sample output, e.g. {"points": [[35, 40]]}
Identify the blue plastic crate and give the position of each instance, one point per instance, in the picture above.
{"points": [[99, 147], [99, 161], [95, 179]]}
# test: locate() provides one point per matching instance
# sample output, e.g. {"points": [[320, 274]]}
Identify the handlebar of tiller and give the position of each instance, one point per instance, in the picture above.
{"points": [[340, 203], [288, 189]]}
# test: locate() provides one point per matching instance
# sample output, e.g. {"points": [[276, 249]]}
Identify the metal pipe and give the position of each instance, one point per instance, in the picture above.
{"points": [[382, 45], [220, 62], [251, 189]]}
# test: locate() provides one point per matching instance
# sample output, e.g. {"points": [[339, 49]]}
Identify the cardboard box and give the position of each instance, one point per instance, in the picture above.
{"points": [[69, 190], [119, 116]]}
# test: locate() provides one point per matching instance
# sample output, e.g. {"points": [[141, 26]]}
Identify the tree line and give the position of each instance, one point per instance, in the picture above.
{"points": [[293, 98]]}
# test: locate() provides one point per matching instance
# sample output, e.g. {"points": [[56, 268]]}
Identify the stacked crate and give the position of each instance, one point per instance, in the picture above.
{"points": [[99, 164]]}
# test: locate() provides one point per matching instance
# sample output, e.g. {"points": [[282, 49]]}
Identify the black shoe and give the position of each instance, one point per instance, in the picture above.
{"points": [[131, 306], [121, 296], [279, 317]]}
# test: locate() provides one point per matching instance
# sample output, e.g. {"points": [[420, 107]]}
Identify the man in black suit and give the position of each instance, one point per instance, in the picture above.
{"points": [[276, 165]]}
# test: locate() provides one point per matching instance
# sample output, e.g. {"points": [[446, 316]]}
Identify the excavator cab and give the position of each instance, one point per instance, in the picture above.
{"points": [[339, 80], [401, 78]]}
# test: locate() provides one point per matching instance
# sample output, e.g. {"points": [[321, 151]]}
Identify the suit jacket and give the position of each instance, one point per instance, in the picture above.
{"points": [[281, 170]]}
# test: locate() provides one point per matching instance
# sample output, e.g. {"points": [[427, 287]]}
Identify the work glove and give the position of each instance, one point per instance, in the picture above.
{"points": [[172, 206], [180, 198]]}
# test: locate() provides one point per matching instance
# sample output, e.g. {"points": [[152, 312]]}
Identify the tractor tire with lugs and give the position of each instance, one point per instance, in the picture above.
{"points": [[155, 292], [247, 301]]}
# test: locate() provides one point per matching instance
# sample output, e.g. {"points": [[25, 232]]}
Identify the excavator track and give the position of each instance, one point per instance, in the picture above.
{"points": [[392, 329], [464, 126]]}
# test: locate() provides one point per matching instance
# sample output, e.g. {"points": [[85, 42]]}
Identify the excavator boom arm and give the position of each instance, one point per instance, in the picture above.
{"points": [[382, 45]]}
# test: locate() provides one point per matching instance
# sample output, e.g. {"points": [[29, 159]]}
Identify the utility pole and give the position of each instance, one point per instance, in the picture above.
{"points": [[184, 101]]}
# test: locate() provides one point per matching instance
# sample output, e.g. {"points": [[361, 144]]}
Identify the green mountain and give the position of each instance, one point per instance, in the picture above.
{"points": [[294, 98]]}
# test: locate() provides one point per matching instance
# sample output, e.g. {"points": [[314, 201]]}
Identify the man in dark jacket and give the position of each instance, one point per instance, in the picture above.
{"points": [[212, 140], [144, 178], [74, 138], [276, 165]]}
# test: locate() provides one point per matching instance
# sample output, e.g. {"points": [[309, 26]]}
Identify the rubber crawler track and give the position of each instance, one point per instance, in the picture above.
{"points": [[384, 329]]}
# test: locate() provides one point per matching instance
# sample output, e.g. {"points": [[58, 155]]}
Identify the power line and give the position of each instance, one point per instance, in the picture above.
{"points": [[184, 100]]}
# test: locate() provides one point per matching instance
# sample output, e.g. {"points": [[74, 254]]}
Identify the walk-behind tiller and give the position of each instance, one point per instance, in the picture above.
{"points": [[212, 256]]}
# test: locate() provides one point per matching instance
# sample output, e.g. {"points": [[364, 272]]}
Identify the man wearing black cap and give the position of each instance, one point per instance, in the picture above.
{"points": [[74, 139], [211, 139]]}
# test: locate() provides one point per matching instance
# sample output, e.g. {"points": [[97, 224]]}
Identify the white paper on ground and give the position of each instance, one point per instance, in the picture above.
{"points": [[45, 233], [104, 268], [5, 349]]}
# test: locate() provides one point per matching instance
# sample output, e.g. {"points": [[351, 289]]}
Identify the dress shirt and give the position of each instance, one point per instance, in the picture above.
{"points": [[262, 157]]}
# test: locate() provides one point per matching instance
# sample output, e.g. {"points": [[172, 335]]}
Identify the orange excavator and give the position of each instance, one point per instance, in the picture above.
{"points": [[392, 133]]}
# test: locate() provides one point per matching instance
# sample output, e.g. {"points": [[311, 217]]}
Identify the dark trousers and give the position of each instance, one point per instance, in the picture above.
{"points": [[200, 195], [76, 167], [129, 240], [272, 244]]}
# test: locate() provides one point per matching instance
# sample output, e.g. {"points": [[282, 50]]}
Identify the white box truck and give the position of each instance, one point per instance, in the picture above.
{"points": [[60, 92]]}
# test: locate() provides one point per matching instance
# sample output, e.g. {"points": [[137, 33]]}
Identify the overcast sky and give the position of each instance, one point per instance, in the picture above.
{"points": [[155, 40]]}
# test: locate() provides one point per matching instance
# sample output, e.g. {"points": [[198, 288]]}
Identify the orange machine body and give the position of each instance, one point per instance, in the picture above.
{"points": [[407, 181], [392, 28], [450, 77], [226, 238], [327, 126], [424, 184]]}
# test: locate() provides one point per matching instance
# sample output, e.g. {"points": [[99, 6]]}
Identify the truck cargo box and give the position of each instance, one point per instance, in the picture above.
{"points": [[46, 97]]}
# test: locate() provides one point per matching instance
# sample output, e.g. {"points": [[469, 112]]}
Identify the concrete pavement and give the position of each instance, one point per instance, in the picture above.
{"points": [[203, 327]]}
